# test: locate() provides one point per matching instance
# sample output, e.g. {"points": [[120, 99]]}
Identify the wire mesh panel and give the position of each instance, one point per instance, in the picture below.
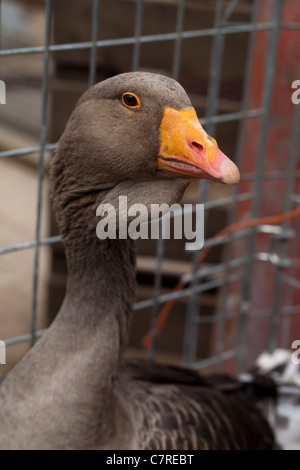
{"points": [[242, 288]]}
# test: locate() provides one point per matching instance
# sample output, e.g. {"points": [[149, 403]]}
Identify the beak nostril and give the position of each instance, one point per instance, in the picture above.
{"points": [[197, 146]]}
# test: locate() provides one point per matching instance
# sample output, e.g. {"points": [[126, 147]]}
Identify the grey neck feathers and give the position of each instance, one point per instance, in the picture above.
{"points": [[67, 379], [101, 273]]}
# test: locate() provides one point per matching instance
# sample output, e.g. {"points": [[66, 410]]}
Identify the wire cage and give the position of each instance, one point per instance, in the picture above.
{"points": [[239, 61]]}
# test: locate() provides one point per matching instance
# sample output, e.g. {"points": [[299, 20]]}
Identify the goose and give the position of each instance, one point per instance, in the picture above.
{"points": [[137, 135]]}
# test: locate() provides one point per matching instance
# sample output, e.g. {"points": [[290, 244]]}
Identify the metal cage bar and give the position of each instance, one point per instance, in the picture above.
{"points": [[266, 103], [143, 39], [41, 168], [238, 159]]}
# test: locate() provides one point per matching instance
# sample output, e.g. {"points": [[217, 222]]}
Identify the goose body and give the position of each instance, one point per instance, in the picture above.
{"points": [[137, 135]]}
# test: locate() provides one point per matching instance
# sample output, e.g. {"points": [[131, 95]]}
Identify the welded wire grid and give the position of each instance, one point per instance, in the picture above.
{"points": [[193, 286]]}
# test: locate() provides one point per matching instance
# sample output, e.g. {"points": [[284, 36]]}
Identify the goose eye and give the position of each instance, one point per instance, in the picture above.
{"points": [[130, 100]]}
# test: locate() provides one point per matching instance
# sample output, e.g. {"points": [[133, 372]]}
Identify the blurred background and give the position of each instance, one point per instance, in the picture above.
{"points": [[237, 60]]}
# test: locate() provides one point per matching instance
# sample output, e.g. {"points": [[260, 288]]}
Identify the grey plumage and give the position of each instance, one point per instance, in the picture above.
{"points": [[69, 391]]}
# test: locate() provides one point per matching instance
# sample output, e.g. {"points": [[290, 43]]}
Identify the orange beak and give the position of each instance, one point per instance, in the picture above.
{"points": [[188, 151]]}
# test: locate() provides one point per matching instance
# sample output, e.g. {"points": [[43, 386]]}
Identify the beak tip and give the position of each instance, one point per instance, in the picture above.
{"points": [[230, 173]]}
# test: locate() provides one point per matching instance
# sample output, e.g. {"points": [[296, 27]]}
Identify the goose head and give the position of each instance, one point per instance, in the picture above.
{"points": [[136, 134]]}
